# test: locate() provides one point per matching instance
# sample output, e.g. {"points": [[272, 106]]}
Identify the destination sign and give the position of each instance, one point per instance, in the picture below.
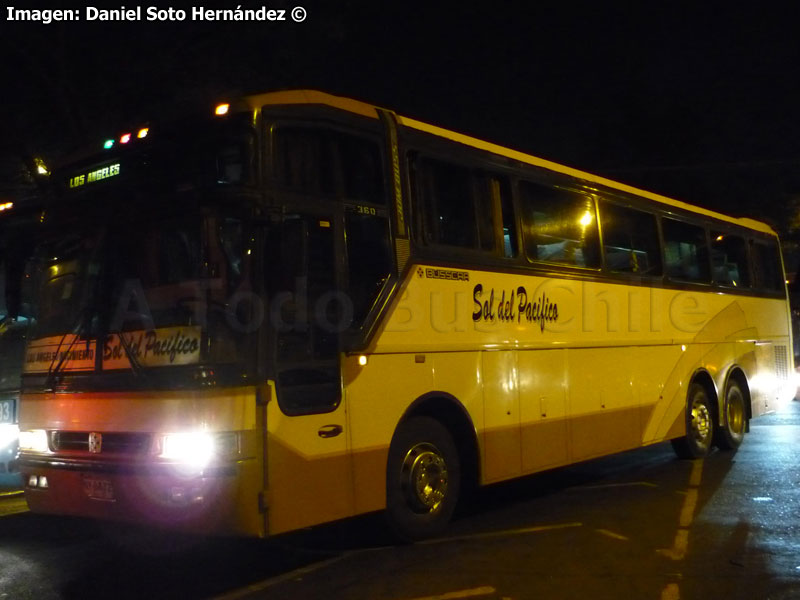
{"points": [[94, 176]]}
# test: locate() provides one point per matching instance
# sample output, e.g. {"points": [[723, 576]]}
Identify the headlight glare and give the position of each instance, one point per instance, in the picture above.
{"points": [[197, 449], [9, 434], [34, 440]]}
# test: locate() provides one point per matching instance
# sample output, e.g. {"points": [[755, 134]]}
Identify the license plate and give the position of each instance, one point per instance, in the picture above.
{"points": [[98, 489], [7, 411]]}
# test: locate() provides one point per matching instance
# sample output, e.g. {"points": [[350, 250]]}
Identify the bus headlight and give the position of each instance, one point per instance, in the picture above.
{"points": [[34, 440], [9, 434], [198, 449]]}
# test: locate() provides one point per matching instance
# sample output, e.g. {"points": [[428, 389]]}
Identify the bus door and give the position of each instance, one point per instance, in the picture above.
{"points": [[308, 466]]}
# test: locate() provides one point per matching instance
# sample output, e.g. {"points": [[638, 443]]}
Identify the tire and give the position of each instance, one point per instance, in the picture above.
{"points": [[423, 479], [699, 415], [730, 434]]}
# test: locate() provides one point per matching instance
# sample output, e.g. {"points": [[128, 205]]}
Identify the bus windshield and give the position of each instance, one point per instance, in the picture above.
{"points": [[139, 294]]}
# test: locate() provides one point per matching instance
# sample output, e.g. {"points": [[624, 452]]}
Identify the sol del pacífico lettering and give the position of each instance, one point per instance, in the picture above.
{"points": [[513, 306], [149, 345]]}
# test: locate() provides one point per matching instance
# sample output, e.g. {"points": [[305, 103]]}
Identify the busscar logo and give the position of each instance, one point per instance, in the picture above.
{"points": [[432, 273]]}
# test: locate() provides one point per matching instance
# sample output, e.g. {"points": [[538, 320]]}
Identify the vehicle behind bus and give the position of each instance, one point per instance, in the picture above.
{"points": [[17, 231]]}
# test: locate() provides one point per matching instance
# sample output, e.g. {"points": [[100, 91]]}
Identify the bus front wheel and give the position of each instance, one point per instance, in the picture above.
{"points": [[699, 417], [423, 478], [731, 433]]}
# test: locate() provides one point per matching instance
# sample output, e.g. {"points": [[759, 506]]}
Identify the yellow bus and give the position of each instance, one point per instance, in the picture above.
{"points": [[307, 308]]}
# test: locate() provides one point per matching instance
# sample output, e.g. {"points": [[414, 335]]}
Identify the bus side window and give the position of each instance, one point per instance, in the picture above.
{"points": [[503, 209], [767, 272], [729, 260], [369, 258], [303, 160], [559, 225], [361, 169], [456, 208], [305, 314], [630, 240], [329, 163], [685, 251]]}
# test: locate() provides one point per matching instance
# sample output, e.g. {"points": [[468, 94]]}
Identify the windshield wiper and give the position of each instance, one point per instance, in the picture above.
{"points": [[136, 366]]}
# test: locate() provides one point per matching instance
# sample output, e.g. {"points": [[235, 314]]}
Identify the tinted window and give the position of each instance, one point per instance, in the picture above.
{"points": [[502, 194], [324, 162], [307, 312], [361, 169], [559, 225], [303, 161], [685, 251], [729, 260], [767, 270], [369, 257], [457, 206], [630, 240]]}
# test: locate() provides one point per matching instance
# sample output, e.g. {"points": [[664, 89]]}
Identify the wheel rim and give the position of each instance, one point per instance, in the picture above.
{"points": [[702, 423], [735, 412], [424, 478]]}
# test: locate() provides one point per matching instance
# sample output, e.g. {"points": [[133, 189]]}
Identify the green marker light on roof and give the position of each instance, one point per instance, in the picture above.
{"points": [[108, 144]]}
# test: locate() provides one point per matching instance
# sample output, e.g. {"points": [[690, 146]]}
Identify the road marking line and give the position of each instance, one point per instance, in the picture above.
{"points": [[268, 583], [505, 532], [11, 494], [689, 504], [611, 534], [680, 546], [697, 473], [480, 591]]}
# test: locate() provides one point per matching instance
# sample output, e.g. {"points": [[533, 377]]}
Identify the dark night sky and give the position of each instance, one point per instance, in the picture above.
{"points": [[696, 102]]}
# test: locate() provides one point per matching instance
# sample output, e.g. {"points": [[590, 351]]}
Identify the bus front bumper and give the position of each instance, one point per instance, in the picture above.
{"points": [[152, 494]]}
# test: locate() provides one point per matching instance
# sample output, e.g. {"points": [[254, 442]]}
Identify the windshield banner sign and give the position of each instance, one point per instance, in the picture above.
{"points": [[163, 347]]}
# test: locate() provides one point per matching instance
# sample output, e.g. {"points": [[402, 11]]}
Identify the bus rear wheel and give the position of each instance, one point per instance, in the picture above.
{"points": [[699, 425], [730, 434], [423, 478]]}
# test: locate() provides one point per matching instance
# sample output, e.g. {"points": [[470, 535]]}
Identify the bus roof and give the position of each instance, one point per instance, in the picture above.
{"points": [[255, 102]]}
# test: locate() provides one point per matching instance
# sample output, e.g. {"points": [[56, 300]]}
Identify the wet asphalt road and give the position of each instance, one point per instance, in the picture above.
{"points": [[638, 525]]}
